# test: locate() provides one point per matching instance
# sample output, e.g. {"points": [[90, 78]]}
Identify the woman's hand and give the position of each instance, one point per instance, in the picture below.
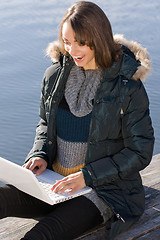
{"points": [[36, 164], [72, 183]]}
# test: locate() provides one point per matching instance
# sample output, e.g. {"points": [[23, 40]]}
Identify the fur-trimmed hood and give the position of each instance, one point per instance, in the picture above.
{"points": [[140, 53]]}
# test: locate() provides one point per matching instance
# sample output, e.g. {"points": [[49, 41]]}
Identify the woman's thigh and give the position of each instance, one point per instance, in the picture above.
{"points": [[15, 203], [67, 221]]}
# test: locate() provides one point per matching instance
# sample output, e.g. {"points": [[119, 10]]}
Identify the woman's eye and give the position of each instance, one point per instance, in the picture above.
{"points": [[82, 43], [66, 43]]}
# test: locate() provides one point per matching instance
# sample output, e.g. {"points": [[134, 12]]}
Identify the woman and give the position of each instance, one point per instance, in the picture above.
{"points": [[95, 130]]}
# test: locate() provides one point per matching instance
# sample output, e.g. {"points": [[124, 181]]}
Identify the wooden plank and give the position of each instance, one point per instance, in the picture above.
{"points": [[150, 175], [14, 228], [152, 235]]}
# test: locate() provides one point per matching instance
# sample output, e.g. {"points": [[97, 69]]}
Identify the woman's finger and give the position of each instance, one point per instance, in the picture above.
{"points": [[59, 185], [27, 165], [40, 169], [65, 188], [72, 183], [58, 182]]}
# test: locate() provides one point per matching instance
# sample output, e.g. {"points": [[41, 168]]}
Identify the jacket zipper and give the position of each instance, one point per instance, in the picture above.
{"points": [[118, 216]]}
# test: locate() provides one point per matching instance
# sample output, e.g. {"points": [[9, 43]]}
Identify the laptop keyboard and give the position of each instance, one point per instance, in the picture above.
{"points": [[47, 187]]}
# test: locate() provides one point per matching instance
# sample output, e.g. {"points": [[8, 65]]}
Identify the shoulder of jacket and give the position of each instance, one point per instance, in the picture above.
{"points": [[129, 86], [49, 78], [50, 71]]}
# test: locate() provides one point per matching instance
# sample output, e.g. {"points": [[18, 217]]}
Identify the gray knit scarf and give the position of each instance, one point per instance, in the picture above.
{"points": [[80, 90]]}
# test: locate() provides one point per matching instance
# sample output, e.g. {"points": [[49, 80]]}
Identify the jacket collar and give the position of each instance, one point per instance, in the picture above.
{"points": [[126, 66]]}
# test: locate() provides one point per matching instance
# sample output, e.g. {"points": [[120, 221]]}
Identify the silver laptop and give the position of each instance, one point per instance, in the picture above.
{"points": [[36, 186]]}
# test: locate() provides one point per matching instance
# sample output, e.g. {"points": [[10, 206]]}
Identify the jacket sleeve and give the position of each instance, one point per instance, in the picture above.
{"points": [[137, 133], [40, 142], [39, 145]]}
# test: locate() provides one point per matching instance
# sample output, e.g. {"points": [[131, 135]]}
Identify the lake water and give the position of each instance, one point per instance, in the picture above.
{"points": [[26, 27]]}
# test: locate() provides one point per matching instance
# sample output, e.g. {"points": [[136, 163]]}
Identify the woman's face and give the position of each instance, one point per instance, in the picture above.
{"points": [[82, 55]]}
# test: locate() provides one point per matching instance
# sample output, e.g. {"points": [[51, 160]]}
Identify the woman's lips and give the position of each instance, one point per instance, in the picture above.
{"points": [[78, 58]]}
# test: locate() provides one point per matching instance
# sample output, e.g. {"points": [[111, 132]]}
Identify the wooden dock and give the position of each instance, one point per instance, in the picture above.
{"points": [[147, 228]]}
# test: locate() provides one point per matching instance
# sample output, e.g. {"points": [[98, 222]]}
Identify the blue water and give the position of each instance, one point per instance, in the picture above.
{"points": [[26, 27]]}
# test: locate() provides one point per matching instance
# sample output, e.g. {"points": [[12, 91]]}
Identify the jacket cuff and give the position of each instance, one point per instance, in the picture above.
{"points": [[87, 177]]}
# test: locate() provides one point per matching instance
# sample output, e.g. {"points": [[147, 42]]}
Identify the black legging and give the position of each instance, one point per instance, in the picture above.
{"points": [[65, 220]]}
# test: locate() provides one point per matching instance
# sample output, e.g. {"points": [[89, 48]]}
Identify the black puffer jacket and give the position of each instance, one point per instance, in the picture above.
{"points": [[121, 138]]}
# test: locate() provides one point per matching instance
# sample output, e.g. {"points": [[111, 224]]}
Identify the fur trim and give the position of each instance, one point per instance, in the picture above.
{"points": [[141, 54], [53, 51]]}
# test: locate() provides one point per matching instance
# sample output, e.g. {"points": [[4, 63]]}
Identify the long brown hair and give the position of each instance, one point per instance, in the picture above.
{"points": [[92, 27]]}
